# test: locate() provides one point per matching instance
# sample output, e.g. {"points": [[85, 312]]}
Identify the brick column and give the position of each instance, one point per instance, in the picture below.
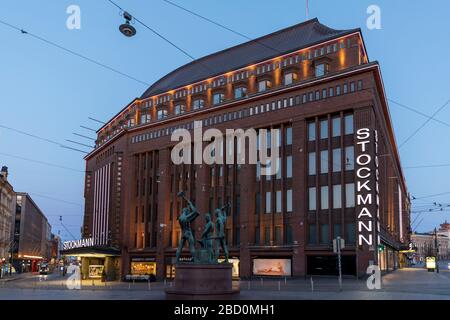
{"points": [[299, 196], [247, 218], [163, 211]]}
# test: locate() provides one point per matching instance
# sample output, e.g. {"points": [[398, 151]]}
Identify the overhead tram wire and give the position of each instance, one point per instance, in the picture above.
{"points": [[53, 44], [40, 138], [418, 112], [423, 124], [41, 162], [155, 32]]}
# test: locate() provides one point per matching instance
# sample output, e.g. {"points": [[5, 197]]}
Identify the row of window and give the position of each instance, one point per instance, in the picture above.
{"points": [[336, 156], [336, 197], [250, 111], [335, 127], [324, 234]]}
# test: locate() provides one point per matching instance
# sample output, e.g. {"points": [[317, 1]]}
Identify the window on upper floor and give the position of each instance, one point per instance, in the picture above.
{"points": [[218, 98], [289, 78], [198, 104], [131, 122], [145, 118], [321, 69], [180, 108], [162, 114], [240, 92], [264, 85]]}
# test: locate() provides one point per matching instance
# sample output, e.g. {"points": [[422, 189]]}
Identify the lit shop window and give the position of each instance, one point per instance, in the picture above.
{"points": [[218, 98], [350, 195], [180, 108], [264, 85], [198, 104], [143, 268], [240, 92], [161, 114], [289, 78], [145, 118]]}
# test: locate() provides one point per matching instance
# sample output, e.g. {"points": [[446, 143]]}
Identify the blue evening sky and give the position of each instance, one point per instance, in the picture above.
{"points": [[50, 93]]}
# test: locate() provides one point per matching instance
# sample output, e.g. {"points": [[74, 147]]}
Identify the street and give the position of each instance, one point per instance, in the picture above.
{"points": [[405, 284]]}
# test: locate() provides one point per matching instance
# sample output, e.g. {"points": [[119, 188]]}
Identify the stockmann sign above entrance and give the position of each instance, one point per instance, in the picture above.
{"points": [[82, 243]]}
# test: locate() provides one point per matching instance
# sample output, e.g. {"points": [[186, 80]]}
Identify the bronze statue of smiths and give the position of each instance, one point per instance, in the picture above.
{"points": [[188, 215]]}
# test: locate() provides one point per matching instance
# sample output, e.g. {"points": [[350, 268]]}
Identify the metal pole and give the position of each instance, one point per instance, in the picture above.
{"points": [[436, 244], [338, 244]]}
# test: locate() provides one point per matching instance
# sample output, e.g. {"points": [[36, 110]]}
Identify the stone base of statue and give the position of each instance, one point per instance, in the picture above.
{"points": [[202, 282]]}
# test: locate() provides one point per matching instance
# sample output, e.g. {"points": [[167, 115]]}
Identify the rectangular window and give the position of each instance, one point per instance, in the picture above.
{"points": [[324, 93], [198, 104], [348, 119], [268, 202], [278, 198], [350, 232], [218, 98], [336, 127], [289, 78], [312, 163], [278, 236], [345, 88], [317, 95], [289, 167], [337, 231], [264, 85], [258, 203], [349, 158], [324, 237], [240, 92], [311, 131], [350, 195], [312, 196], [324, 129], [324, 198], [289, 200], [337, 196], [320, 70], [304, 99], [360, 85], [289, 239], [331, 92], [352, 86], [257, 236], [337, 160], [312, 234], [324, 161], [267, 236], [338, 90], [288, 136]]}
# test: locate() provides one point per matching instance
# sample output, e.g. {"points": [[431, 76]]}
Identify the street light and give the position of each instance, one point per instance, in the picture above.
{"points": [[126, 28]]}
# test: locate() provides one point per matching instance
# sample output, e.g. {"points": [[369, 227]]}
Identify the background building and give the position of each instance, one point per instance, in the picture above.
{"points": [[425, 243], [7, 212], [32, 235], [313, 83]]}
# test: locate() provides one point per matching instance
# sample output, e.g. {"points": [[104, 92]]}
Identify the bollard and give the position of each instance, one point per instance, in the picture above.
{"points": [[279, 286], [165, 282], [248, 284], [149, 285], [129, 285], [285, 280], [262, 282], [312, 285]]}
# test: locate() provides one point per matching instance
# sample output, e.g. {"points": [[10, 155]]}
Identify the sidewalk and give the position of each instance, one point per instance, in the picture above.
{"points": [[16, 276]]}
